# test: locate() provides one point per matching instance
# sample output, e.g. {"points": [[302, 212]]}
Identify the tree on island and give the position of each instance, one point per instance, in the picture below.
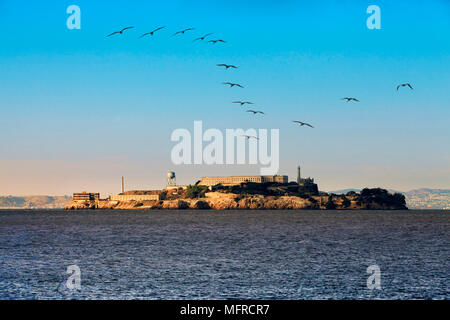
{"points": [[193, 192], [330, 205], [345, 202], [163, 195], [383, 197]]}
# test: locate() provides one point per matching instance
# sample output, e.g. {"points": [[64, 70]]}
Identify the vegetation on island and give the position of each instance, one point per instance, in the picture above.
{"points": [[375, 198], [193, 192], [252, 196], [382, 196]]}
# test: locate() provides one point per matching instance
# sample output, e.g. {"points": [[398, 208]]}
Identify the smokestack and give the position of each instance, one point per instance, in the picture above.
{"points": [[299, 178], [123, 186]]}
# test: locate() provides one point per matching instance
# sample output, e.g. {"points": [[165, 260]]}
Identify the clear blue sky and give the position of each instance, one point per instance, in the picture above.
{"points": [[78, 110]]}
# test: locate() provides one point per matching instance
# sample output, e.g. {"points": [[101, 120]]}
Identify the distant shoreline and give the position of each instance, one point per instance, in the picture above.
{"points": [[417, 199]]}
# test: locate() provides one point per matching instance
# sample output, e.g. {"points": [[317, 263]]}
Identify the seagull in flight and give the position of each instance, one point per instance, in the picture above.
{"points": [[249, 137], [183, 31], [350, 99], [233, 84], [215, 41], [255, 111], [151, 32], [404, 85], [227, 66], [203, 38], [121, 31], [302, 123], [243, 102]]}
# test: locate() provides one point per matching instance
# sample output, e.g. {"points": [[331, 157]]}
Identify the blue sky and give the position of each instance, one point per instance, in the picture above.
{"points": [[79, 109]]}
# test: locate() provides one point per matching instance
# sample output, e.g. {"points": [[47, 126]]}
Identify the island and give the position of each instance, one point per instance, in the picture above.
{"points": [[242, 193]]}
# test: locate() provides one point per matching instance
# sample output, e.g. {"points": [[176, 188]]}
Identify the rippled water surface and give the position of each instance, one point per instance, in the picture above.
{"points": [[224, 254]]}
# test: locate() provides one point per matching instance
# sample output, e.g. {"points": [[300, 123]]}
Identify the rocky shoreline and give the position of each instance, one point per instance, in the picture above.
{"points": [[232, 201]]}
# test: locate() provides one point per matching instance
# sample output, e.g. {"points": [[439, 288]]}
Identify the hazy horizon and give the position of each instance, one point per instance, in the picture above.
{"points": [[105, 194], [80, 110]]}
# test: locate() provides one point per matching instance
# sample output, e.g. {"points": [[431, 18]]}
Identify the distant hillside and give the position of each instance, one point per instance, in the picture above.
{"points": [[34, 202], [424, 198], [428, 199]]}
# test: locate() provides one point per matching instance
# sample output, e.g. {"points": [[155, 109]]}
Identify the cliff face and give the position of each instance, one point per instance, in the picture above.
{"points": [[228, 201]]}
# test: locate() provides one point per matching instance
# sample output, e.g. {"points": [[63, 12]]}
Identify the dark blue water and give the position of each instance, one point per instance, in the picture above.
{"points": [[224, 254]]}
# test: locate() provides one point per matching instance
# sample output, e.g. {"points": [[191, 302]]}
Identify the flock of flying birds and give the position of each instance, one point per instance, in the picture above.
{"points": [[151, 33], [228, 66]]}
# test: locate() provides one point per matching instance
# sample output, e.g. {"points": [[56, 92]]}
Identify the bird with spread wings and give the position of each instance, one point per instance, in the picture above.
{"points": [[183, 31], [215, 41], [249, 137], [231, 84], [203, 38], [404, 85], [255, 111], [242, 102], [119, 32], [350, 99], [227, 66], [151, 32], [302, 123]]}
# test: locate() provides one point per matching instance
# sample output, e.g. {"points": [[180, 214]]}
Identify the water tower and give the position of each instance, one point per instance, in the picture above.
{"points": [[171, 179]]}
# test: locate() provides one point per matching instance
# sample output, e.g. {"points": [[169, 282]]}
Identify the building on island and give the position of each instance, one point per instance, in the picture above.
{"points": [[303, 181], [236, 180], [172, 182], [92, 198], [307, 185], [262, 185], [86, 196], [171, 179], [134, 197], [303, 185]]}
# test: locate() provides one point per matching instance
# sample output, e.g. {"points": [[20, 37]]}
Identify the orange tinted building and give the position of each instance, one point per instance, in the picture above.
{"points": [[86, 196]]}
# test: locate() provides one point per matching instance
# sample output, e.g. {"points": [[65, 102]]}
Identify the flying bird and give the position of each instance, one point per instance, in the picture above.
{"points": [[302, 123], [203, 38], [183, 31], [227, 66], [151, 32], [255, 111], [249, 137], [215, 41], [404, 85], [121, 31], [350, 99], [233, 84], [243, 102]]}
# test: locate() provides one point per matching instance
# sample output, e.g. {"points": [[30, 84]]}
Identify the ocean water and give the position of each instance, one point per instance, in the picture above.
{"points": [[224, 254]]}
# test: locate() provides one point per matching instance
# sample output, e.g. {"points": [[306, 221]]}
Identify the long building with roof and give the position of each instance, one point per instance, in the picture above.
{"points": [[236, 180]]}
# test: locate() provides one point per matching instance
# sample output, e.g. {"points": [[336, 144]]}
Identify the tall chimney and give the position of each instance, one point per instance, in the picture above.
{"points": [[123, 186], [299, 178]]}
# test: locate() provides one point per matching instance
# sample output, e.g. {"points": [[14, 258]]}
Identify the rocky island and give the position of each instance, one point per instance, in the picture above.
{"points": [[246, 196]]}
